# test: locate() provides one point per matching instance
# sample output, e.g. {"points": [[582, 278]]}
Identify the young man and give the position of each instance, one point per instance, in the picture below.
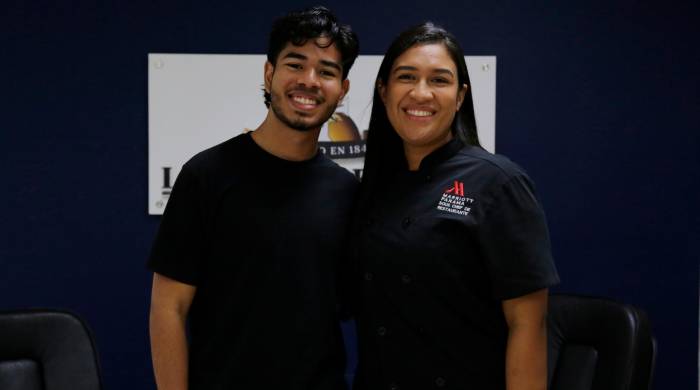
{"points": [[248, 245]]}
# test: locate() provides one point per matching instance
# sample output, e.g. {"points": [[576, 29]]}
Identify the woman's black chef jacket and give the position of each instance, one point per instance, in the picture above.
{"points": [[440, 249]]}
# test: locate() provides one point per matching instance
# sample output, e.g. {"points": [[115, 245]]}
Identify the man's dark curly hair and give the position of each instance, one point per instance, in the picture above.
{"points": [[299, 26]]}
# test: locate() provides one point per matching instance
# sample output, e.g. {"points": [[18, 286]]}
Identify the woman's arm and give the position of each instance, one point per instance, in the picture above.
{"points": [[526, 353]]}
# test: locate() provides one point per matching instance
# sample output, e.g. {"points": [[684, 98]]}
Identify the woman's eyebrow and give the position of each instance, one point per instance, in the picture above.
{"points": [[404, 67], [413, 68], [444, 71]]}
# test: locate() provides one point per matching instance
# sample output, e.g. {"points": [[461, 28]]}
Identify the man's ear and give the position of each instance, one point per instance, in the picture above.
{"points": [[460, 95], [345, 87], [269, 71]]}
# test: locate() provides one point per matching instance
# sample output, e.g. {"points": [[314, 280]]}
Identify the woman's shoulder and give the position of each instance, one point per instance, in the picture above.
{"points": [[490, 164], [495, 177]]}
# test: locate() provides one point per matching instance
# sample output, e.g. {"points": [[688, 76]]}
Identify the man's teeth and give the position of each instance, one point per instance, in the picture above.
{"points": [[419, 113], [304, 100]]}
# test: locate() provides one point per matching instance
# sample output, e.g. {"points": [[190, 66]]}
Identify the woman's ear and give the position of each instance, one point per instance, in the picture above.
{"points": [[460, 95], [382, 90]]}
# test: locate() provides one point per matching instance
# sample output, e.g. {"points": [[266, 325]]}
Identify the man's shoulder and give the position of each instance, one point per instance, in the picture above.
{"points": [[337, 172], [224, 154]]}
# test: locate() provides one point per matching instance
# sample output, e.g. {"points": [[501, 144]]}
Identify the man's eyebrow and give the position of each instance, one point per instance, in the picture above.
{"points": [[413, 68], [331, 64], [293, 54], [299, 56]]}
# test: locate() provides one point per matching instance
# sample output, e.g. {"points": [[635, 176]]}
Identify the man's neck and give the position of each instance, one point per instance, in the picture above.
{"points": [[284, 142]]}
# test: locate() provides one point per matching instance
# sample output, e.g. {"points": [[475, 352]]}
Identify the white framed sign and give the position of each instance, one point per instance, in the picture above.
{"points": [[196, 101]]}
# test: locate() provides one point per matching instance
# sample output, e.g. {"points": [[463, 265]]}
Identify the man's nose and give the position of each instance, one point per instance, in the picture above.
{"points": [[309, 78]]}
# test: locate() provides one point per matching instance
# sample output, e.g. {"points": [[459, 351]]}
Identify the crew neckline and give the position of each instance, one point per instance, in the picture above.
{"points": [[276, 159]]}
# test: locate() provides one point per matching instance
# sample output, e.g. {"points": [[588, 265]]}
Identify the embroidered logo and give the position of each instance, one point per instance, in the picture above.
{"points": [[454, 201], [458, 189]]}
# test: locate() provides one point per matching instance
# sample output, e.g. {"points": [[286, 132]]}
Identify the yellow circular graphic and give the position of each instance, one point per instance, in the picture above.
{"points": [[341, 128]]}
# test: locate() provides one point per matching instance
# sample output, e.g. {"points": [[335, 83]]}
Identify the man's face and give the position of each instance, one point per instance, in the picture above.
{"points": [[306, 84]]}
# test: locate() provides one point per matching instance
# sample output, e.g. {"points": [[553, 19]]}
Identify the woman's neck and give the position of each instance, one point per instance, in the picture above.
{"points": [[416, 153]]}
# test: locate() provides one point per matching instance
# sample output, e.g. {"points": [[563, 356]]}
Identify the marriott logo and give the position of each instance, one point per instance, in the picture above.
{"points": [[457, 189]]}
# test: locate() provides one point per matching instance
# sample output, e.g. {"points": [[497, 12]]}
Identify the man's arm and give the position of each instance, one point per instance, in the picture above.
{"points": [[170, 303], [526, 353]]}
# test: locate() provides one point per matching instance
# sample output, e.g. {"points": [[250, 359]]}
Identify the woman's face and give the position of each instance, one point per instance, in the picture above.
{"points": [[422, 95]]}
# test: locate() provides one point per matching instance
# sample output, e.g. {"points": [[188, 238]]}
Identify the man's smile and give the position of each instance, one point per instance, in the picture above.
{"points": [[304, 101]]}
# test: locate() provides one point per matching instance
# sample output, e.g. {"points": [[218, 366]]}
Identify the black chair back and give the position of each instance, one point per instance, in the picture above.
{"points": [[598, 344], [46, 350]]}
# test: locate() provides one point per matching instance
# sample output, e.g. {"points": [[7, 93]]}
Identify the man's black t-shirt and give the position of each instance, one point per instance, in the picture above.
{"points": [[260, 238]]}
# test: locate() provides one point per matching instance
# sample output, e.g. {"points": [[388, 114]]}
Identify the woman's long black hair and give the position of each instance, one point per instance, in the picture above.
{"points": [[385, 155]]}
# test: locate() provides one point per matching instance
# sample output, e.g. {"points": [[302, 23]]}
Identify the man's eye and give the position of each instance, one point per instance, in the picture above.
{"points": [[294, 66], [327, 73]]}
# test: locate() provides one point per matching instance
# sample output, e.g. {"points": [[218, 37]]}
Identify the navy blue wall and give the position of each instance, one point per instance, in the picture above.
{"points": [[598, 101]]}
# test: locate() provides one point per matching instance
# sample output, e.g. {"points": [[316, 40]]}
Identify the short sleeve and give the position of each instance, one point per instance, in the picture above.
{"points": [[515, 241], [178, 247]]}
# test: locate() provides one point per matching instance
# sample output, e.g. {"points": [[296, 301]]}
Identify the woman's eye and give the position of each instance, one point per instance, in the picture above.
{"points": [[406, 77], [441, 80]]}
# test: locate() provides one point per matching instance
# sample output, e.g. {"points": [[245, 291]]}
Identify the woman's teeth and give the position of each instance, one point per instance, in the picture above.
{"points": [[419, 113]]}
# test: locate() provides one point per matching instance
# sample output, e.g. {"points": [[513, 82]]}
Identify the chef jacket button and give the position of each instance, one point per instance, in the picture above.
{"points": [[440, 381], [406, 222], [369, 276], [406, 279], [381, 331], [393, 386]]}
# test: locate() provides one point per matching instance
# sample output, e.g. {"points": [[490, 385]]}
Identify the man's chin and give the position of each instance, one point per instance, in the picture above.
{"points": [[302, 129], [304, 124]]}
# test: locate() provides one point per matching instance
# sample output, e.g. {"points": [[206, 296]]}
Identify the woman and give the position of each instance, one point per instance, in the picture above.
{"points": [[453, 247]]}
